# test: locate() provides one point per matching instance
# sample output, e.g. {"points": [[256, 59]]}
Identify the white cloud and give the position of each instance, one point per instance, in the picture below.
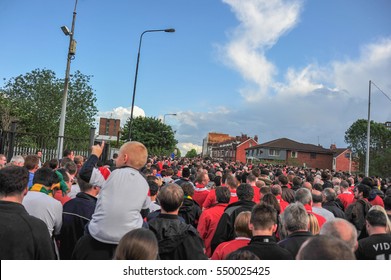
{"points": [[185, 147], [122, 113], [262, 23]]}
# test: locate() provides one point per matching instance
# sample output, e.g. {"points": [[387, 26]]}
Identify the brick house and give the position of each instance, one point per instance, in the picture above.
{"points": [[342, 160], [287, 151], [234, 149]]}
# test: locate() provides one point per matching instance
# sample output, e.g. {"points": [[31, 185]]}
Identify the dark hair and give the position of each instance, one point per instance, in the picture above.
{"points": [[263, 216], [256, 172], [137, 244], [242, 255], [272, 200], [170, 197], [153, 187], [83, 185], [376, 218], [188, 189], [297, 181], [245, 192], [317, 197], [318, 187], [71, 167], [223, 194], [217, 181], [13, 180], [66, 153], [368, 181], [251, 178], [44, 176], [53, 163], [31, 161], [288, 195], [365, 189], [65, 160], [387, 202], [186, 172], [283, 179]]}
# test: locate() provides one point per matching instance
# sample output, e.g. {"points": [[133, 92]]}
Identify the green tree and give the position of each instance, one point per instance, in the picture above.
{"points": [[381, 164], [191, 154], [35, 98], [356, 138], [158, 137]]}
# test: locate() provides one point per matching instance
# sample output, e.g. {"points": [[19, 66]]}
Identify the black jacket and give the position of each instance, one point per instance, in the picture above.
{"points": [[190, 211], [335, 208], [177, 240], [76, 214], [22, 236], [225, 228], [266, 248], [294, 241]]}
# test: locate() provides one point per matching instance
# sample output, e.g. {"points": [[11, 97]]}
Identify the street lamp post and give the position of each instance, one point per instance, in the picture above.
{"points": [[368, 132], [71, 54], [135, 76], [164, 117]]}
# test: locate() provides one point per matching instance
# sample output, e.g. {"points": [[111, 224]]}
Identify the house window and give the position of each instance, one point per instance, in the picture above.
{"points": [[274, 153], [313, 155], [293, 154]]}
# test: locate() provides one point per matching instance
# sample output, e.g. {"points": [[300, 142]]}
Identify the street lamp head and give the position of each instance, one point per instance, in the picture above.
{"points": [[65, 30], [171, 30]]}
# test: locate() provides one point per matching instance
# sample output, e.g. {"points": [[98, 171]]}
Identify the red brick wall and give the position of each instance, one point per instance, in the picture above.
{"points": [[240, 150], [322, 161], [113, 129], [342, 163]]}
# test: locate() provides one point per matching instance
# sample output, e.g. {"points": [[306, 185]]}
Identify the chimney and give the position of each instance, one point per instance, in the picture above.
{"points": [[333, 147], [256, 138]]}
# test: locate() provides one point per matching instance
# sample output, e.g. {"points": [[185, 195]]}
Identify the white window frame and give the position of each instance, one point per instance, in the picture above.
{"points": [[274, 153], [294, 154]]}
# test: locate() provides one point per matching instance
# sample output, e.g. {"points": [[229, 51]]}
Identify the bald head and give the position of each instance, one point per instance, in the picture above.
{"points": [[341, 229], [133, 154], [307, 185]]}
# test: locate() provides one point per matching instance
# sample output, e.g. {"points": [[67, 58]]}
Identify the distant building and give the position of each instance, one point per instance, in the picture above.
{"points": [[290, 152], [233, 150], [343, 160], [213, 138], [388, 125], [108, 129]]}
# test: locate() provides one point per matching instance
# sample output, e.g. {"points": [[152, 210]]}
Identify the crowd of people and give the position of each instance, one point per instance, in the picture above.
{"points": [[137, 207]]}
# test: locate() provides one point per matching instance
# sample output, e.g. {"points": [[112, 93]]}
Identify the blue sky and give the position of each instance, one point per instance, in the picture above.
{"points": [[272, 68]]}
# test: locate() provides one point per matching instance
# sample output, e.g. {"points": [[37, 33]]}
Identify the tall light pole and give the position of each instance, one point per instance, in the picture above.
{"points": [[369, 125], [170, 30], [71, 54], [164, 116], [368, 132]]}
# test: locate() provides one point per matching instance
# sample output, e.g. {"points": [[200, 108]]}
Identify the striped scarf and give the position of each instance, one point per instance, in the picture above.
{"points": [[40, 188]]}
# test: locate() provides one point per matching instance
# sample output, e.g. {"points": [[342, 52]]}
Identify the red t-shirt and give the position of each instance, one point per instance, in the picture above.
{"points": [[225, 248]]}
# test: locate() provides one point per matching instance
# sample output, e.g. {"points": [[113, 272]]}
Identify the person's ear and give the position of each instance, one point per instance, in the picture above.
{"points": [[25, 191], [250, 226]]}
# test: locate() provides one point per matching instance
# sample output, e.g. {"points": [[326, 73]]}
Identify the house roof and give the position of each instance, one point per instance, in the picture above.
{"points": [[288, 144], [249, 139], [339, 151], [214, 137]]}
